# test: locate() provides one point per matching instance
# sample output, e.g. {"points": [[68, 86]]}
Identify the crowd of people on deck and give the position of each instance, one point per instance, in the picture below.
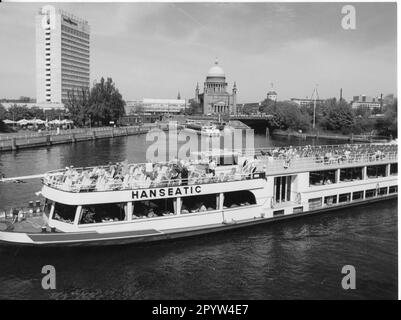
{"points": [[122, 176], [331, 154]]}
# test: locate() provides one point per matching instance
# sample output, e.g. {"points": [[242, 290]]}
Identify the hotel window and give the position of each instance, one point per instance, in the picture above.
{"points": [[282, 189], [238, 199], [370, 193], [382, 191], [357, 195], [330, 200], [344, 197], [393, 189], [394, 168], [376, 171], [107, 212], [315, 203], [350, 174], [202, 203]]}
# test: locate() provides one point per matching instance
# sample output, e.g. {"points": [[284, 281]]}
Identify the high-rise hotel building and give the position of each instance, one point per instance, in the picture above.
{"points": [[62, 55]]}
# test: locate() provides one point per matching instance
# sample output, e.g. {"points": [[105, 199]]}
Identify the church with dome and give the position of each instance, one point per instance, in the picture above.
{"points": [[215, 99]]}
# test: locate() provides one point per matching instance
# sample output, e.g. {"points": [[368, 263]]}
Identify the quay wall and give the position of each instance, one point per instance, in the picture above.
{"points": [[46, 139]]}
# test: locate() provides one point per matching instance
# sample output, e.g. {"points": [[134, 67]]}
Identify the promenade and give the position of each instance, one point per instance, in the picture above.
{"points": [[20, 140]]}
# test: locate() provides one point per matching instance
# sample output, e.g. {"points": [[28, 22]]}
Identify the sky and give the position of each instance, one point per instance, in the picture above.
{"points": [[154, 50]]}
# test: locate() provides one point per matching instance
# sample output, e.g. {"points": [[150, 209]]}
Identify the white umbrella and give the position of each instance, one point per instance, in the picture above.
{"points": [[9, 121], [23, 122]]}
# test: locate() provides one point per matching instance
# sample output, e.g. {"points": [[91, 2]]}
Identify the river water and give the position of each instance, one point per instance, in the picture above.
{"points": [[295, 259]]}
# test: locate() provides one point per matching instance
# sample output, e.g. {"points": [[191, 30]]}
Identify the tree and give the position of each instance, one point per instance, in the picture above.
{"points": [[388, 124], [3, 112], [286, 115], [338, 116], [102, 104], [193, 108], [77, 105], [105, 102]]}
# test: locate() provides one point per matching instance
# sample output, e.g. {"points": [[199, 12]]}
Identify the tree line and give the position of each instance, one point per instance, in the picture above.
{"points": [[332, 115]]}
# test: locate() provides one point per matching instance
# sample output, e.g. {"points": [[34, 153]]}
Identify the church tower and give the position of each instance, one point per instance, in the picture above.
{"points": [[234, 109], [197, 93]]}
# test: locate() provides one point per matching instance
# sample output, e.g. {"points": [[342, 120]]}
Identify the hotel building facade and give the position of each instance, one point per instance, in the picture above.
{"points": [[62, 55]]}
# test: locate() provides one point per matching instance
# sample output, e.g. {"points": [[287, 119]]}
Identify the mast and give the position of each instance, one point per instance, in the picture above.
{"points": [[315, 95]]}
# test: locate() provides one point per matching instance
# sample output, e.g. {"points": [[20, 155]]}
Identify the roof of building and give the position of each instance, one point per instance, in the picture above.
{"points": [[216, 70]]}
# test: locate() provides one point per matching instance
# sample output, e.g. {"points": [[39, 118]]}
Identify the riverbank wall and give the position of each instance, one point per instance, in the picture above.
{"points": [[47, 139]]}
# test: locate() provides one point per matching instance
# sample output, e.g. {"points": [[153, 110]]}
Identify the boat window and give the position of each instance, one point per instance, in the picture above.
{"points": [[64, 212], [282, 189], [351, 174], [47, 207], [382, 191], [318, 178], [376, 171], [154, 208], [227, 160], [370, 193], [357, 195], [344, 197], [394, 168], [315, 203], [393, 189], [201, 203], [107, 212], [330, 200], [298, 209], [238, 199], [278, 213]]}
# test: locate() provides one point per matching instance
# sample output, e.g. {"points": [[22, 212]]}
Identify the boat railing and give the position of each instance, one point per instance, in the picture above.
{"points": [[273, 165], [78, 182], [51, 179], [317, 148]]}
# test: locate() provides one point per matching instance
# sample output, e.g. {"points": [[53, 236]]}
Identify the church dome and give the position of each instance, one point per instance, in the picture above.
{"points": [[216, 71]]}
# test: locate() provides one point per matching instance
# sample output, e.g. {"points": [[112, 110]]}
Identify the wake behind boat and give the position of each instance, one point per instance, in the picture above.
{"points": [[213, 191]]}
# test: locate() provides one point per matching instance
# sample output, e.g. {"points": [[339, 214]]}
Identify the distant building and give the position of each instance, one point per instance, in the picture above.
{"points": [[155, 106], [306, 102], [365, 102], [215, 99], [272, 94], [62, 56]]}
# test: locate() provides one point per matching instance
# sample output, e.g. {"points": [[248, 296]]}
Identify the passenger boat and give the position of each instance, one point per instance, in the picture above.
{"points": [[123, 203], [204, 129]]}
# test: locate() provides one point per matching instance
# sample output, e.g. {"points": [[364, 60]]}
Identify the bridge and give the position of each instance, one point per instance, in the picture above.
{"points": [[255, 121]]}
